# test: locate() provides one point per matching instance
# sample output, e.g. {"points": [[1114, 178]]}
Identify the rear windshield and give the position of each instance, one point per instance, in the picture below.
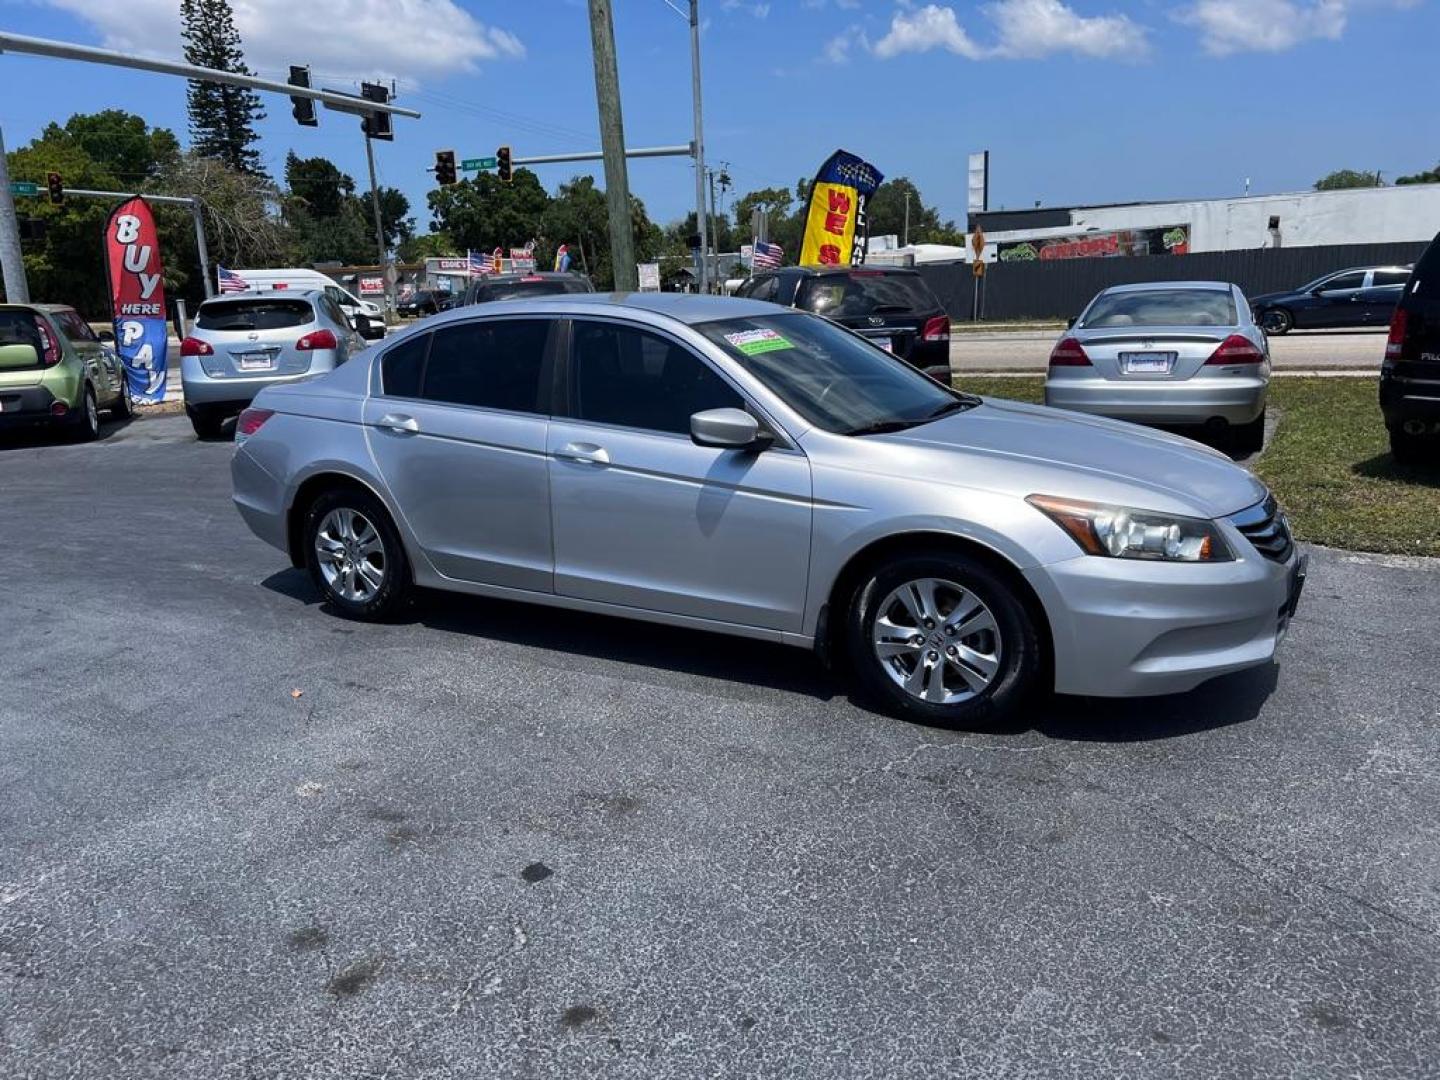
{"points": [[254, 314], [1426, 277], [1162, 307], [22, 328], [866, 293], [513, 290]]}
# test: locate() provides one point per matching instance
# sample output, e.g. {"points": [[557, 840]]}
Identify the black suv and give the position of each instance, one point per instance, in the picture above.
{"points": [[1410, 374], [1360, 296], [890, 305], [518, 286]]}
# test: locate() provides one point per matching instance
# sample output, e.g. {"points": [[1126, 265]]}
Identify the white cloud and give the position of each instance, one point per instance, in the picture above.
{"points": [[926, 28], [837, 49], [409, 40], [760, 11], [1024, 29], [1032, 28], [1230, 26]]}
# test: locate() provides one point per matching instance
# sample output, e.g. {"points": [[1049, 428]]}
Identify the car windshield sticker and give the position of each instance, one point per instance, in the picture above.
{"points": [[751, 342]]}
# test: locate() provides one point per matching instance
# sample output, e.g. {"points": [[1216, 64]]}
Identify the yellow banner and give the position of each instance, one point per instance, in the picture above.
{"points": [[830, 225]]}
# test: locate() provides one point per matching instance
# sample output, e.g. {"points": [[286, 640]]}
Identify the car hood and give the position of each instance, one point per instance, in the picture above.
{"points": [[1272, 298], [1037, 450]]}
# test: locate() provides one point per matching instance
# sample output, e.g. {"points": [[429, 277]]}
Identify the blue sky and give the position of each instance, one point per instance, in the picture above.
{"points": [[1077, 100]]}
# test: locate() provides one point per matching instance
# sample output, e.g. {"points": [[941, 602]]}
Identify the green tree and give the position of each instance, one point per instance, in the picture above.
{"points": [[885, 212], [123, 144], [222, 118], [318, 185], [485, 213], [395, 219], [1429, 176], [776, 202], [427, 246], [1342, 179], [577, 216]]}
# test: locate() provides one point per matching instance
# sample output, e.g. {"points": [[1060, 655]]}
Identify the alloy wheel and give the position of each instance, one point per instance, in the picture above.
{"points": [[351, 555], [937, 641]]}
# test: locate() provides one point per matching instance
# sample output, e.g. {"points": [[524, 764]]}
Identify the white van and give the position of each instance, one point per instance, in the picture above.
{"points": [[304, 278]]}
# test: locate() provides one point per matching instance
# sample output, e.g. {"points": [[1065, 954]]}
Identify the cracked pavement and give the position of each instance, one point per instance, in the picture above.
{"points": [[490, 842]]}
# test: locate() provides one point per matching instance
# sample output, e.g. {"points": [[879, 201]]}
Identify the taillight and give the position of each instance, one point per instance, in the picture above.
{"points": [[50, 354], [936, 329], [1068, 353], [1395, 343], [251, 421], [1236, 349], [195, 347], [316, 339]]}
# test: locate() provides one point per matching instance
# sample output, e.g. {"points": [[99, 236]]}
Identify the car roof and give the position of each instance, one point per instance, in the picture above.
{"points": [[265, 294], [1166, 286], [531, 275], [688, 308]]}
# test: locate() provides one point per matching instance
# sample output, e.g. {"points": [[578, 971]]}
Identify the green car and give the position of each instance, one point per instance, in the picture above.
{"points": [[55, 372]]}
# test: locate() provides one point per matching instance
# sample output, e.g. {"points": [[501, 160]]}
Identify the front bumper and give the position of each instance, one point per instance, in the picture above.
{"points": [[1236, 400], [1127, 628]]}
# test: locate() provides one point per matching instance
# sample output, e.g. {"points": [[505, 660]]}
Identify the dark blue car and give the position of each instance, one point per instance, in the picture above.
{"points": [[1360, 296]]}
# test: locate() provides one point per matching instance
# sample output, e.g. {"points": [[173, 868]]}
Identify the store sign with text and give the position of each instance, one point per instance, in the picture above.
{"points": [[1169, 240]]}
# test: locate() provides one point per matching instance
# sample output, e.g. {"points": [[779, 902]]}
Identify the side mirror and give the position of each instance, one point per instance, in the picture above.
{"points": [[107, 336], [1071, 321], [730, 429], [366, 327], [23, 356]]}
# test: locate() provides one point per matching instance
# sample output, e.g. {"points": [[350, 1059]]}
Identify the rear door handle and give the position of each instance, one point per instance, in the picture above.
{"points": [[584, 453], [401, 425]]}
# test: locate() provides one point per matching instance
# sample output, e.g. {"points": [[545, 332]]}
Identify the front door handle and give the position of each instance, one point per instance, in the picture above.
{"points": [[584, 453], [401, 425]]}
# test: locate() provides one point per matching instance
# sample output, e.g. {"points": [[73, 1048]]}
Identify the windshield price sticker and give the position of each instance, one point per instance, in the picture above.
{"points": [[751, 342]]}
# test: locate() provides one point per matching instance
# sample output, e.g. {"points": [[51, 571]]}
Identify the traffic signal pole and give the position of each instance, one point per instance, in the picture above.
{"points": [[17, 289]]}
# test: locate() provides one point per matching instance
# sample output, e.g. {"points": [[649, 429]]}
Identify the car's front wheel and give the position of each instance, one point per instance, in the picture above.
{"points": [[1277, 321], [355, 556], [944, 639]]}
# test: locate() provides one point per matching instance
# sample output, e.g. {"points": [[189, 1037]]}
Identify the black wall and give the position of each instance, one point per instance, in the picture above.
{"points": [[1060, 288]]}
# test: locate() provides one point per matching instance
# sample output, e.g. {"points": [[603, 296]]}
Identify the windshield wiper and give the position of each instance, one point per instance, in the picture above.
{"points": [[952, 407], [882, 427]]}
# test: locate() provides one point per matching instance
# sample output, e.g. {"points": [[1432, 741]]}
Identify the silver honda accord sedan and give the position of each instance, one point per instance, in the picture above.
{"points": [[1178, 353], [738, 467]]}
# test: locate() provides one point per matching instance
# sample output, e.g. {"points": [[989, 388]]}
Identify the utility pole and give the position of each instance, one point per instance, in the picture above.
{"points": [[17, 289], [379, 227], [699, 142], [612, 144], [905, 242]]}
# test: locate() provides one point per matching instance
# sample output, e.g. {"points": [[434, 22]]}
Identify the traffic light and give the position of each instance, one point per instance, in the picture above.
{"points": [[56, 187], [502, 165], [302, 108], [377, 124], [445, 174]]}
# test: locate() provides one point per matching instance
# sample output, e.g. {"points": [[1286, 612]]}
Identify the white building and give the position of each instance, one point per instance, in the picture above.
{"points": [[1380, 215]]}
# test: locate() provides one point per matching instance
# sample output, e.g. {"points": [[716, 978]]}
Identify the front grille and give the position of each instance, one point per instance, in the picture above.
{"points": [[1265, 527]]}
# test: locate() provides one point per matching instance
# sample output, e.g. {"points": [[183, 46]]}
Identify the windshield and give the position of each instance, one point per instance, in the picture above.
{"points": [[833, 378], [1162, 307], [866, 292], [254, 315]]}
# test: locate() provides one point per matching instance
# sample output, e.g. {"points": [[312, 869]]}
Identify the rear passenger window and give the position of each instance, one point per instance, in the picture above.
{"points": [[1390, 277], [402, 366], [494, 364]]}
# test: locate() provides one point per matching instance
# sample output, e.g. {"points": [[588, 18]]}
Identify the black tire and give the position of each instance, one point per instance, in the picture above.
{"points": [[123, 409], [1277, 321], [1411, 449], [208, 423], [395, 590], [86, 425], [1019, 649], [1249, 438]]}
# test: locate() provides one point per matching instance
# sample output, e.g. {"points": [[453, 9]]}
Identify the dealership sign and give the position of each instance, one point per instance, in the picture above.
{"points": [[1171, 240], [137, 297], [371, 285], [452, 266], [835, 229]]}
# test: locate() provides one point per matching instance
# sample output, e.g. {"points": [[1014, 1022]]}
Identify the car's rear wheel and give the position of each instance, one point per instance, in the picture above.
{"points": [[1411, 449], [87, 418], [207, 423], [1277, 321], [944, 639], [355, 556], [122, 409], [1249, 438]]}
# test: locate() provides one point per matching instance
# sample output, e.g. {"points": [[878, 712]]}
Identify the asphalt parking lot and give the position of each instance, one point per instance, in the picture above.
{"points": [[240, 837]]}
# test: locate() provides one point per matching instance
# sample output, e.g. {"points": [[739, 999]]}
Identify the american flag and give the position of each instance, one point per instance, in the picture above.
{"points": [[230, 281], [767, 256], [478, 264]]}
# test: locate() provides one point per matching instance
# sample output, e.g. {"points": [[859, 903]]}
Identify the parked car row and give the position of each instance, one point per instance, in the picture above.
{"points": [[423, 302]]}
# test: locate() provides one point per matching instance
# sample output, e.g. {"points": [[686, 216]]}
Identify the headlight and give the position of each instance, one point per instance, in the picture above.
{"points": [[1121, 532]]}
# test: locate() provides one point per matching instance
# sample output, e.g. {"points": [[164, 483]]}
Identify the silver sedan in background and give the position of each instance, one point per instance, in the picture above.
{"points": [[734, 466], [1181, 353]]}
